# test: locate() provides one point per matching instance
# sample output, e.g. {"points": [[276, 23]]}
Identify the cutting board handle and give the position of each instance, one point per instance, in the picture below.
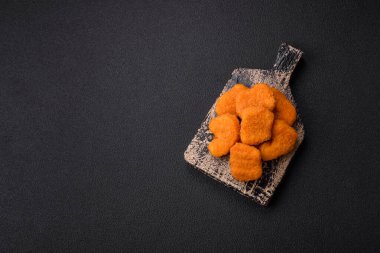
{"points": [[287, 58]]}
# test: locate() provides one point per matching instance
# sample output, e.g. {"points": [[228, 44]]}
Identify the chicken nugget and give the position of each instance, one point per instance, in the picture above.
{"points": [[284, 139], [256, 125], [226, 130], [227, 102], [219, 147], [245, 162], [259, 95], [284, 109]]}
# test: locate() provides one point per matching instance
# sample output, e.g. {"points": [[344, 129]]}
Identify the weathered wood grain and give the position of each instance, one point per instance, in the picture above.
{"points": [[198, 155]]}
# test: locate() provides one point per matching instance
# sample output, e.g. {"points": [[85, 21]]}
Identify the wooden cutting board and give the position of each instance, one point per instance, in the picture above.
{"points": [[198, 155]]}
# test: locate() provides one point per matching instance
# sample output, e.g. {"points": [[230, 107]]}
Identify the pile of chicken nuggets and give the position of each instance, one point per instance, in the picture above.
{"points": [[253, 125]]}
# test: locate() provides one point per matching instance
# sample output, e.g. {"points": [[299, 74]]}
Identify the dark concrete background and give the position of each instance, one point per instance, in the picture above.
{"points": [[99, 99]]}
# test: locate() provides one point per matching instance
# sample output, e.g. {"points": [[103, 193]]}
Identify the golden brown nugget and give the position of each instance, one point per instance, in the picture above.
{"points": [[256, 125], [284, 109], [227, 102], [226, 130], [283, 140], [245, 162], [219, 147], [259, 95]]}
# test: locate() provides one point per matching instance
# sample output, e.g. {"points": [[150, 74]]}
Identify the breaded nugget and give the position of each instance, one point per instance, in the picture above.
{"points": [[283, 140], [256, 125], [284, 109], [219, 147], [245, 162], [227, 102], [226, 130], [259, 95], [225, 126]]}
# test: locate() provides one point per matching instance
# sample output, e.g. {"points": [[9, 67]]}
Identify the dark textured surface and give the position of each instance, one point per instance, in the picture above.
{"points": [[99, 100]]}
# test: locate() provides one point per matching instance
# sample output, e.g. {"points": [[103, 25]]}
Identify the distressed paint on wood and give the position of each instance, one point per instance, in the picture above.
{"points": [[198, 155]]}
